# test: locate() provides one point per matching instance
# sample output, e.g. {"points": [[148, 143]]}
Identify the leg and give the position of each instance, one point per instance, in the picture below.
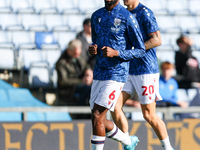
{"points": [[98, 126], [99, 120], [102, 126], [118, 114], [149, 114]]}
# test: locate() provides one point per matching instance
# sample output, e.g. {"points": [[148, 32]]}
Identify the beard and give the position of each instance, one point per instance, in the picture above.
{"points": [[110, 3]]}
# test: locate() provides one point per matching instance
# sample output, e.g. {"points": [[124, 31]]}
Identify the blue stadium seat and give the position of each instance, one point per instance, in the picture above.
{"points": [[43, 39]]}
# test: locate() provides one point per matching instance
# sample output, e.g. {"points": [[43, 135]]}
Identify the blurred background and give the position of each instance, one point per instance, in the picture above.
{"points": [[34, 34]]}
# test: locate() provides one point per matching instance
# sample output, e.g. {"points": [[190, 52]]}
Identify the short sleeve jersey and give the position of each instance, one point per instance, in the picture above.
{"points": [[147, 22], [119, 30]]}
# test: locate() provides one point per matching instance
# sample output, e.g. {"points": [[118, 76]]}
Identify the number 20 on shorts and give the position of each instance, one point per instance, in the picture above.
{"points": [[148, 90]]}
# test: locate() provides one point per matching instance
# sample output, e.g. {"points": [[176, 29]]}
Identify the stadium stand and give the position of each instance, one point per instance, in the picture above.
{"points": [[44, 7], [4, 7], [21, 6], [5, 40], [33, 22], [23, 40], [39, 30], [178, 7], [157, 6], [10, 22], [67, 7], [39, 75], [194, 7], [56, 23]]}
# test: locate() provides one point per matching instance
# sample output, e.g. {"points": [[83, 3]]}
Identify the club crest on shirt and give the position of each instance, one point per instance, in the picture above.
{"points": [[117, 22]]}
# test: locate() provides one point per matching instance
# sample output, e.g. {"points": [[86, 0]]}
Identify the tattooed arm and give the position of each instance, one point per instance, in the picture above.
{"points": [[154, 41]]}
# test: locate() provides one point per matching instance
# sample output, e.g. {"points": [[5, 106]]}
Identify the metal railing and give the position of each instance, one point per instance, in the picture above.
{"points": [[167, 111]]}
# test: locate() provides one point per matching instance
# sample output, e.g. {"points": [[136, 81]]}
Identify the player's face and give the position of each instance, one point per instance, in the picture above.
{"points": [[110, 2], [128, 2]]}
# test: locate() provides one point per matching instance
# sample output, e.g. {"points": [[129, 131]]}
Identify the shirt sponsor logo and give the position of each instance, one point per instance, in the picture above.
{"points": [[115, 30]]}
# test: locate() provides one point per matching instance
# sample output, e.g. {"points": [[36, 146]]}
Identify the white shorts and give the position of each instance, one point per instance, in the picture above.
{"points": [[146, 86], [105, 93]]}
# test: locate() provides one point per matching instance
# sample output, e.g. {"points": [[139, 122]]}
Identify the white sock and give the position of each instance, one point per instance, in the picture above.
{"points": [[127, 133], [166, 144], [97, 142], [118, 135]]}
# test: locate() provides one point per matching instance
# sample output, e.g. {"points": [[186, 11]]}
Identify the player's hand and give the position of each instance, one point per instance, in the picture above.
{"points": [[93, 49], [109, 52]]}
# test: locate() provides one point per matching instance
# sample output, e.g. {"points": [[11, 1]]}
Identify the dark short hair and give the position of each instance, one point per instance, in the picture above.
{"points": [[86, 21], [181, 39]]}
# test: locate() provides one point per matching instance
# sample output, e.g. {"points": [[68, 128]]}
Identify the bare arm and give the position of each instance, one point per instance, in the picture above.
{"points": [[154, 41]]}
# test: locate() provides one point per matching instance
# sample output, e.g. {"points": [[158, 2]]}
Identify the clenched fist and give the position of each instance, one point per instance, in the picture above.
{"points": [[109, 52], [93, 49]]}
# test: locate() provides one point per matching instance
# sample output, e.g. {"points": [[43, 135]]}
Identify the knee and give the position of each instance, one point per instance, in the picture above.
{"points": [[117, 112], [97, 119], [149, 117]]}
